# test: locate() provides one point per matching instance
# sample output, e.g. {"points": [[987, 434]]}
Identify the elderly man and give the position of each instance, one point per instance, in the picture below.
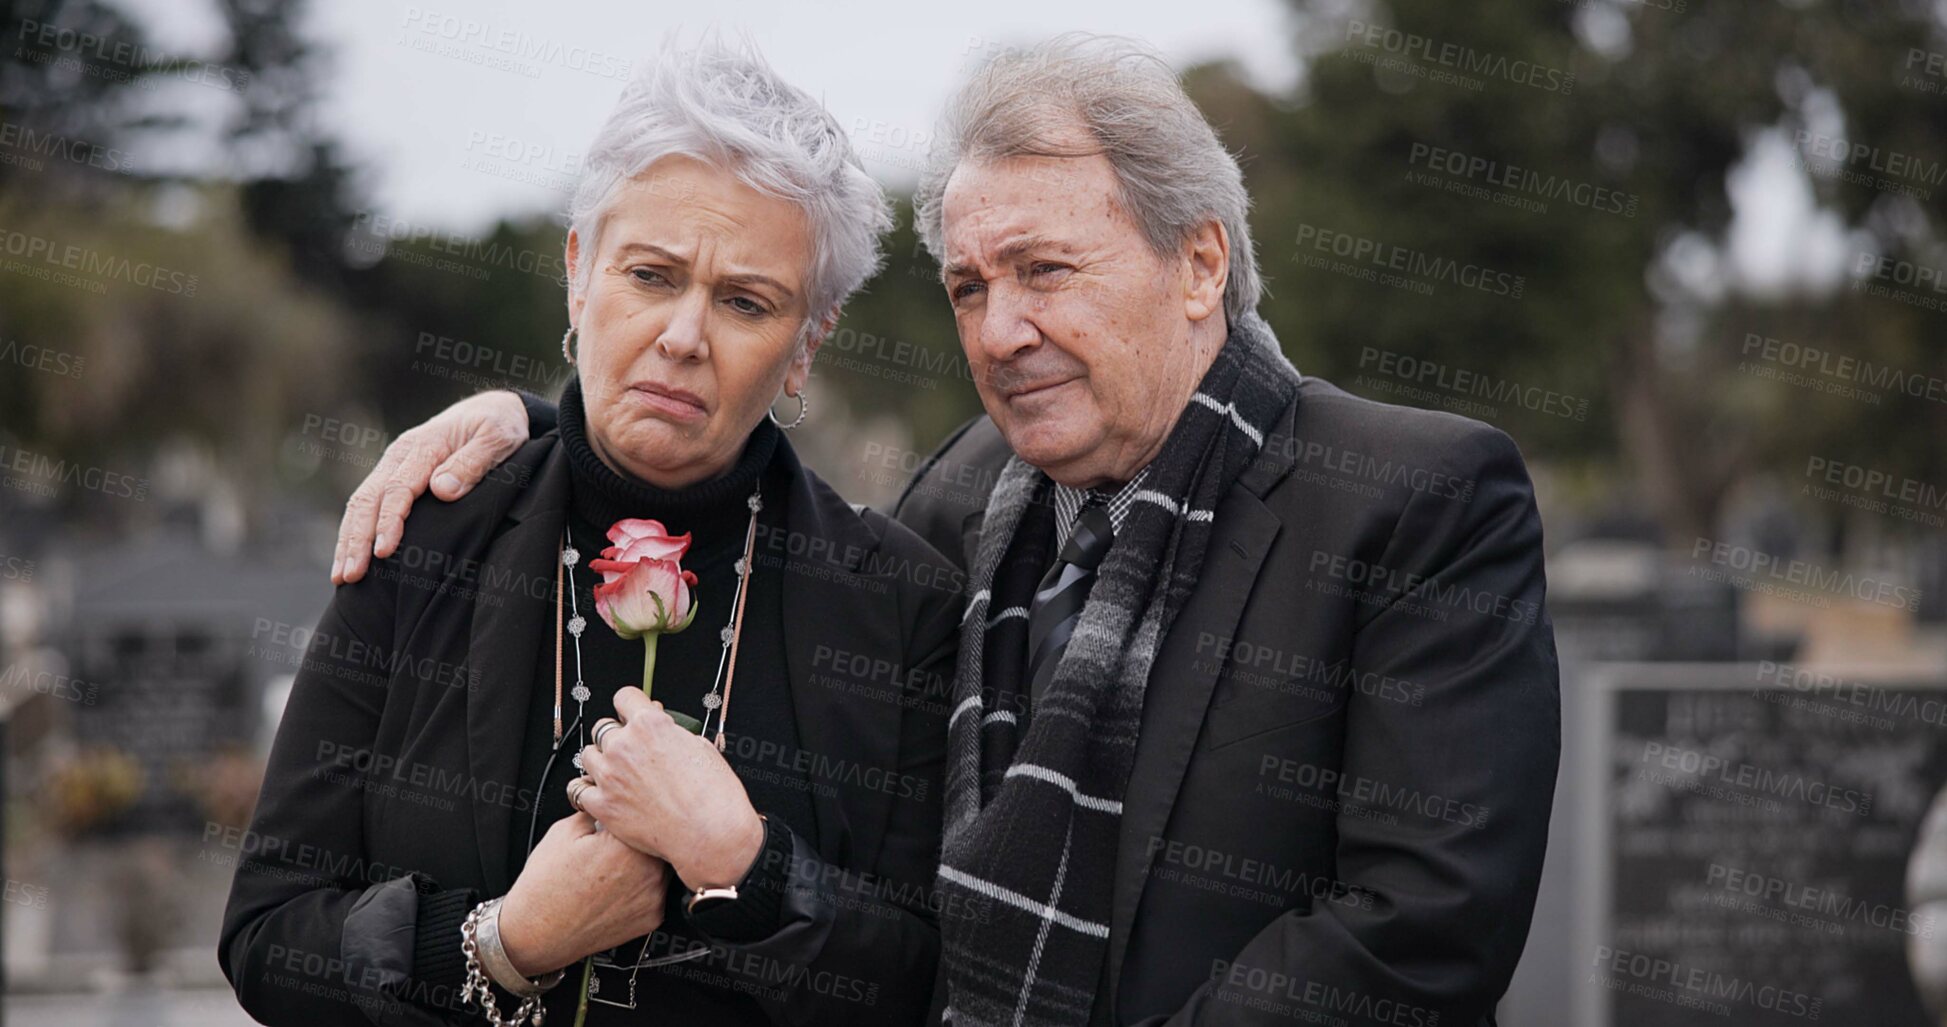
{"points": [[1256, 716]]}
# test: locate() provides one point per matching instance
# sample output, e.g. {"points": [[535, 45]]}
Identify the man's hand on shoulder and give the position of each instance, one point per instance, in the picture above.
{"points": [[449, 454]]}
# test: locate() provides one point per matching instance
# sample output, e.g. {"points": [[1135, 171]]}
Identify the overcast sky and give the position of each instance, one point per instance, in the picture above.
{"points": [[464, 110]]}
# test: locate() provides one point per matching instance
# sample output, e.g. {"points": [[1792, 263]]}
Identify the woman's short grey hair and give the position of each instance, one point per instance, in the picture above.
{"points": [[725, 106], [1174, 174]]}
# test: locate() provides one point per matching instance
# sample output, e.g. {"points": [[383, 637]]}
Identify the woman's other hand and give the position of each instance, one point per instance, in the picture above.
{"points": [[449, 453], [582, 891], [664, 790]]}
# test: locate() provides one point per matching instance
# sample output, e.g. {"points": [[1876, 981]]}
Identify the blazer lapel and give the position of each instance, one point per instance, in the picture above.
{"points": [[1180, 686], [835, 602], [512, 612]]}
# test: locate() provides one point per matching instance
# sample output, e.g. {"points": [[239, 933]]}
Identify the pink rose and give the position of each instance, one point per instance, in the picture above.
{"points": [[644, 589]]}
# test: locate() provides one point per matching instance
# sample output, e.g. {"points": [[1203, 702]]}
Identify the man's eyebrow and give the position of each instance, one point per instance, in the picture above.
{"points": [[1009, 250]]}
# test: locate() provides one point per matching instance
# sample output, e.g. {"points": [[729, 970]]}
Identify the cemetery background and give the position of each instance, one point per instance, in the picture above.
{"points": [[1687, 254]]}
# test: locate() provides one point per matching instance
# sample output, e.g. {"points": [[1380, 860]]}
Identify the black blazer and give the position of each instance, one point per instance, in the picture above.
{"points": [[1350, 736], [395, 765]]}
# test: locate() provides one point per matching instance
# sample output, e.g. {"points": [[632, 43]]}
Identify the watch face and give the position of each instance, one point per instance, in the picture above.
{"points": [[709, 896]]}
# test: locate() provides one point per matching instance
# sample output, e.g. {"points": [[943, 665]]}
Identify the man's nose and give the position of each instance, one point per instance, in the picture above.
{"points": [[682, 337], [1007, 328]]}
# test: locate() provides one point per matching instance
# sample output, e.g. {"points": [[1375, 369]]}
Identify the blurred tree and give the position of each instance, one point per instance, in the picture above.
{"points": [[1587, 149]]}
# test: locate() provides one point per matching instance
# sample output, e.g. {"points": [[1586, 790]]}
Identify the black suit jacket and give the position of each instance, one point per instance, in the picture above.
{"points": [[1350, 735], [395, 767]]}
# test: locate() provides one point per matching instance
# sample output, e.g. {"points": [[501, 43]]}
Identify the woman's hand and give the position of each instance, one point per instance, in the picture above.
{"points": [[664, 790], [582, 891]]}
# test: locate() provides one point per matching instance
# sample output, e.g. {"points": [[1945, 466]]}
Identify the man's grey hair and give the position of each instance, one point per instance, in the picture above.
{"points": [[725, 106], [1174, 174]]}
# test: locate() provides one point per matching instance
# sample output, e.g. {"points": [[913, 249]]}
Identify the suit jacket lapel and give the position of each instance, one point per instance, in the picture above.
{"points": [[512, 612], [1180, 686]]}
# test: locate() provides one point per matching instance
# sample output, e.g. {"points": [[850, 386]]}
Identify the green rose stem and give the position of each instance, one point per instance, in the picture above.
{"points": [[649, 662], [683, 720], [581, 1004]]}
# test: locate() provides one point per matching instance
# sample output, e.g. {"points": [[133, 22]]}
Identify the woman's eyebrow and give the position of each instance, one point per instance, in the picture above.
{"points": [[735, 278]]}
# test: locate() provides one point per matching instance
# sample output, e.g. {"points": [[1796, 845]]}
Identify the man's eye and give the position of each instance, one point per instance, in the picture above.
{"points": [[746, 305], [965, 290], [649, 276]]}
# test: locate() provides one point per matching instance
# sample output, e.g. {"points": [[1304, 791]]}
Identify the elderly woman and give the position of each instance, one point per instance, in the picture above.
{"points": [[425, 851]]}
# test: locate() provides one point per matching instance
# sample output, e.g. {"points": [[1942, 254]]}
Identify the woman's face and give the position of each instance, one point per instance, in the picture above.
{"points": [[688, 323]]}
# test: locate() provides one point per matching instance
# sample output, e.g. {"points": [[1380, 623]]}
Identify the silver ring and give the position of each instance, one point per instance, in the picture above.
{"points": [[574, 793], [602, 727]]}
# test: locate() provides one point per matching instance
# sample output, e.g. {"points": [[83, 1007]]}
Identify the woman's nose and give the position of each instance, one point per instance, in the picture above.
{"points": [[682, 337]]}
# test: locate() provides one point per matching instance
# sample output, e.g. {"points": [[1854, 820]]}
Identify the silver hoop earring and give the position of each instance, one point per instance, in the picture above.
{"points": [[568, 337], [804, 407]]}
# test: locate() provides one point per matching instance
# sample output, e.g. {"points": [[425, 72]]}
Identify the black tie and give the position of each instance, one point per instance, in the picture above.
{"points": [[1058, 600]]}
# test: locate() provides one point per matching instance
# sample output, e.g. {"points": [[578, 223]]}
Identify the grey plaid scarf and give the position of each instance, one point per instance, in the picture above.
{"points": [[1032, 816]]}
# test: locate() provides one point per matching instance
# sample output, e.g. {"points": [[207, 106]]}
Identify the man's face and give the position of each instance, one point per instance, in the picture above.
{"points": [[1078, 334]]}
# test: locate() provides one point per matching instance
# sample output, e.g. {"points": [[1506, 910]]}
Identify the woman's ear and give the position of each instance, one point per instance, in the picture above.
{"points": [[1209, 264], [576, 297], [794, 379]]}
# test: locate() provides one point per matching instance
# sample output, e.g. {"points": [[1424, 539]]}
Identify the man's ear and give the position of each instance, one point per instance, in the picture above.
{"points": [[1208, 257], [576, 297], [801, 366]]}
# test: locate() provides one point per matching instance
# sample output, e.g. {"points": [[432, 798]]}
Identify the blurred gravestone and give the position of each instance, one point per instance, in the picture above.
{"points": [[1745, 844], [1630, 601]]}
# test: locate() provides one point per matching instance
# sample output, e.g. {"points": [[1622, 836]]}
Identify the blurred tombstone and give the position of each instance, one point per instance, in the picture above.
{"points": [[1745, 843], [169, 640], [1633, 601]]}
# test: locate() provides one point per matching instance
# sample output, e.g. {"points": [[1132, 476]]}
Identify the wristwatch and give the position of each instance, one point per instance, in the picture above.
{"points": [[709, 895], [703, 897]]}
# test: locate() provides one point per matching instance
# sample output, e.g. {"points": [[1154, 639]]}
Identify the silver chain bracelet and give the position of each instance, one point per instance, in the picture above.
{"points": [[477, 982]]}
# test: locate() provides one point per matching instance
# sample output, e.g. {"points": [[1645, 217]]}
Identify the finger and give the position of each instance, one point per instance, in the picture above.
{"points": [[632, 702], [574, 825], [355, 529], [463, 470], [594, 803], [578, 794], [408, 481], [593, 762]]}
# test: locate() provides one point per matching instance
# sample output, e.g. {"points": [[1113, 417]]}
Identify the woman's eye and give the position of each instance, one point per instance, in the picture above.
{"points": [[746, 305], [649, 276], [1044, 269], [965, 290]]}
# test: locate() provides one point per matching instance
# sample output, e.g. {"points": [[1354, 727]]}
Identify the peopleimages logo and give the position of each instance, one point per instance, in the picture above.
{"points": [[1425, 49], [94, 263], [1418, 264]]}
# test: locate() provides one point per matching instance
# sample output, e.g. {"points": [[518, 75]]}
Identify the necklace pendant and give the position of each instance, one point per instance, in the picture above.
{"points": [[578, 761], [712, 701], [755, 502], [580, 692], [570, 556], [577, 624]]}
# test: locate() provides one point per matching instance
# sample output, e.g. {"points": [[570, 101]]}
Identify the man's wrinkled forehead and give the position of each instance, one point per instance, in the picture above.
{"points": [[994, 211]]}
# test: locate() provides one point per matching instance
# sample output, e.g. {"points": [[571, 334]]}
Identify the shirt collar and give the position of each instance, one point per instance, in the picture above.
{"points": [[1069, 502]]}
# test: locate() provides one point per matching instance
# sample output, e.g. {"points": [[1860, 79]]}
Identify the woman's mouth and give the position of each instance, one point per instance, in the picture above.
{"points": [[669, 402]]}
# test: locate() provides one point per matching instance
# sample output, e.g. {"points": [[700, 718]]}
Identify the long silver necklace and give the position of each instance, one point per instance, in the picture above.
{"points": [[716, 703]]}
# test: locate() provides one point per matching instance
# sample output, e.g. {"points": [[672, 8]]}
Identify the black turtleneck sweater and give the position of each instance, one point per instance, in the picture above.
{"points": [[716, 515]]}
